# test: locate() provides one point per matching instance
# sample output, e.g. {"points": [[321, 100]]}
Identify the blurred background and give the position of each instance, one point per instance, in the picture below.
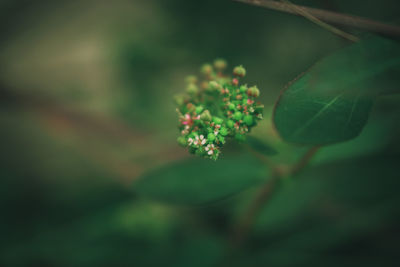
{"points": [[86, 108]]}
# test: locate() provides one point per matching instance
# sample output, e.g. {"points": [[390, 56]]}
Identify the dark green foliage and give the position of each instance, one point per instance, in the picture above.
{"points": [[200, 181], [260, 146], [330, 209], [85, 110], [331, 102]]}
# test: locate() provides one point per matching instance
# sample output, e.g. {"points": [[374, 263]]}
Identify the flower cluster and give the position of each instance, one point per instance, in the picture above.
{"points": [[215, 109]]}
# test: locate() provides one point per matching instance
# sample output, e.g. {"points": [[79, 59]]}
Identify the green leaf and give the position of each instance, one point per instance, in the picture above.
{"points": [[331, 102], [199, 181], [331, 204], [260, 146]]}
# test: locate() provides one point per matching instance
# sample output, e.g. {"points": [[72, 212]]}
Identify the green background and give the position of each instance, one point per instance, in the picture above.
{"points": [[86, 110]]}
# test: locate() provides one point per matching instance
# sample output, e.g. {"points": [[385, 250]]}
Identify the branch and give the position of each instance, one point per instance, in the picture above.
{"points": [[329, 16], [242, 230], [320, 23]]}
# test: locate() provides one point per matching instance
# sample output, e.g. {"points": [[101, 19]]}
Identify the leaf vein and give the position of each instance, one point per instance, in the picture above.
{"points": [[313, 118]]}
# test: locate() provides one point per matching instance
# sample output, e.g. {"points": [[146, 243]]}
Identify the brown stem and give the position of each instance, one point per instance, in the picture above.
{"points": [[329, 16], [320, 23], [242, 230], [304, 160]]}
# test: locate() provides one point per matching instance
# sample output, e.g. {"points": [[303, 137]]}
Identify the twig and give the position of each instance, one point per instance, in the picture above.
{"points": [[242, 230], [319, 22], [331, 17], [304, 160]]}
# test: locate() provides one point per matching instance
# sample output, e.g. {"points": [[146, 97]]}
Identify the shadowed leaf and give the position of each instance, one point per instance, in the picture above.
{"points": [[198, 181], [331, 102], [261, 146]]}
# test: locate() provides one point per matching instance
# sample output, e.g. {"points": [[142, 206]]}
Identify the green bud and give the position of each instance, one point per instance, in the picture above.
{"points": [[244, 101], [239, 71], [182, 141], [206, 69], [253, 91], [220, 64], [231, 106], [259, 108], [248, 119], [206, 116], [230, 124], [243, 88], [211, 137], [213, 86], [191, 79], [192, 89], [238, 115], [223, 131], [199, 109], [217, 120], [190, 107], [240, 137]]}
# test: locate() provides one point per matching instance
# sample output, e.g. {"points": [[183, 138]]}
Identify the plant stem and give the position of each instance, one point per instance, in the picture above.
{"points": [[329, 16], [319, 22], [304, 160], [242, 230]]}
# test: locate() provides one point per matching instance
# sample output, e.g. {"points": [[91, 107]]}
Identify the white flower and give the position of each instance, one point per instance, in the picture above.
{"points": [[210, 148], [200, 140], [190, 140]]}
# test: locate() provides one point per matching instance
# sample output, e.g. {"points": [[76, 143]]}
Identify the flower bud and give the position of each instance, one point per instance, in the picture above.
{"points": [[231, 106], [206, 69], [199, 109], [211, 137], [248, 119], [213, 86], [217, 120], [238, 115], [220, 64], [230, 124], [182, 141], [243, 88], [239, 71], [223, 131], [192, 89], [253, 91], [259, 108], [190, 107], [206, 116]]}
